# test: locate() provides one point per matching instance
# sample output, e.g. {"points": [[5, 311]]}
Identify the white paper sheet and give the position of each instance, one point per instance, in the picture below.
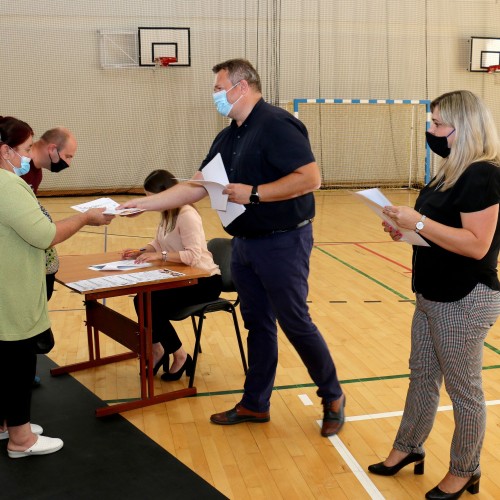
{"points": [[232, 211], [215, 181], [376, 200], [218, 201], [119, 265], [107, 203], [117, 280]]}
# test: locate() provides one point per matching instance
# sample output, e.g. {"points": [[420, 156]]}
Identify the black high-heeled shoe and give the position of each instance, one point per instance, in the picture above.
{"points": [[163, 361], [472, 486], [384, 470], [187, 367]]}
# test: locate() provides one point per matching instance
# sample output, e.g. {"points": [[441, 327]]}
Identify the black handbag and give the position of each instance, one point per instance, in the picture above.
{"points": [[45, 342]]}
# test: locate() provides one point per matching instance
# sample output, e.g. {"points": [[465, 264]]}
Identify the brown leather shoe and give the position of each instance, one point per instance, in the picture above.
{"points": [[332, 420], [238, 415]]}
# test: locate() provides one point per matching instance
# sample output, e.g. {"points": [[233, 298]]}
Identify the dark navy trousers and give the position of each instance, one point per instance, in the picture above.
{"points": [[270, 274]]}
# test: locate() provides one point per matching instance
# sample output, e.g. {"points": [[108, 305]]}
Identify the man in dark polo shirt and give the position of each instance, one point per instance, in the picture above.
{"points": [[272, 171]]}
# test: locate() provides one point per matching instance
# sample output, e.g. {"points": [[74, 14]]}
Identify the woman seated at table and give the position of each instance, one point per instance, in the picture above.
{"points": [[179, 238]]}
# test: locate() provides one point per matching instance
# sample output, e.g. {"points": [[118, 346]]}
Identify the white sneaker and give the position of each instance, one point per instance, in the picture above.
{"points": [[43, 446], [35, 429]]}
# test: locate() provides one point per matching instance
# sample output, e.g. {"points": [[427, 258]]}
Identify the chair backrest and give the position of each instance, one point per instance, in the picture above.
{"points": [[221, 248]]}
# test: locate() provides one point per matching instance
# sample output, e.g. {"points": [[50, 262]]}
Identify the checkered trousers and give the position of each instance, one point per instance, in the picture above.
{"points": [[447, 343]]}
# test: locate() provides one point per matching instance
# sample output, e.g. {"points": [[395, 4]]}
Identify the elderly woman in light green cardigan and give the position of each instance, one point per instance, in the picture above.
{"points": [[25, 233]]}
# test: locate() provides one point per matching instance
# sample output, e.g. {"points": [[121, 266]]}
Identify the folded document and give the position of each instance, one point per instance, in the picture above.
{"points": [[119, 265]]}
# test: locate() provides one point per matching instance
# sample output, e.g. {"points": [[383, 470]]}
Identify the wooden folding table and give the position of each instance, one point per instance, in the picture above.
{"points": [[136, 336]]}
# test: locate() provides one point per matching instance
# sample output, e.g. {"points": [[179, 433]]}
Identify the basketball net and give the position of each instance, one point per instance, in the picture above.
{"points": [[495, 71], [164, 62]]}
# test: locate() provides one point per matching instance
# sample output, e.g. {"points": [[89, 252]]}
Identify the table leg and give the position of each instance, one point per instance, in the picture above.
{"points": [[137, 337]]}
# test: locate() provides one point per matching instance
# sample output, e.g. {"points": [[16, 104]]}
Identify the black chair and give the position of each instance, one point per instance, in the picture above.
{"points": [[221, 251]]}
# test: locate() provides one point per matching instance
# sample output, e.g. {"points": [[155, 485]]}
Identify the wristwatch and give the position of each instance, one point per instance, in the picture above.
{"points": [[420, 224], [164, 255], [254, 196]]}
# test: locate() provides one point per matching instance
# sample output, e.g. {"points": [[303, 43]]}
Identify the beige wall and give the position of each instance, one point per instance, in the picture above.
{"points": [[130, 121]]}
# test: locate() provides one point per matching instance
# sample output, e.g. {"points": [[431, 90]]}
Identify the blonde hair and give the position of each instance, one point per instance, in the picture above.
{"points": [[476, 136]]}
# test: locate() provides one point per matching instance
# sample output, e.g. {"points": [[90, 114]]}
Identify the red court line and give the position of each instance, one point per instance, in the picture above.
{"points": [[383, 257], [367, 249]]}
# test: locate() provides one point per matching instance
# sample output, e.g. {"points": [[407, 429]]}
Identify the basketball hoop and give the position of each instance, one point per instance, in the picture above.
{"points": [[493, 69], [164, 61]]}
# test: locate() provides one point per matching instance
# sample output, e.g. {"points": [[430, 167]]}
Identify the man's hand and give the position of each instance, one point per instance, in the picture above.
{"points": [[130, 204], [238, 193]]}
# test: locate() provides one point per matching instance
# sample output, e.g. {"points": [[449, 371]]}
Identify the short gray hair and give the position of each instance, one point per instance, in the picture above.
{"points": [[240, 69]]}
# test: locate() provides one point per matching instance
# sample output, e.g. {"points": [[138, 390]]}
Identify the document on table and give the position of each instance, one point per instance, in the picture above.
{"points": [[377, 201], [119, 265], [117, 280], [215, 181], [107, 203]]}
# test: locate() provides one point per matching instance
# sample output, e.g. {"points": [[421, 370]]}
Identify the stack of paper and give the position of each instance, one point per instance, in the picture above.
{"points": [[117, 280], [215, 181]]}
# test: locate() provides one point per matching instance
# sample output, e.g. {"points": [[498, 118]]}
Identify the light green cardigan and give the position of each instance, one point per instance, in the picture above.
{"points": [[25, 233]]}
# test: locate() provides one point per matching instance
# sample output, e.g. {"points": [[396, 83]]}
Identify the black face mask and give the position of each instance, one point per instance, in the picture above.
{"points": [[58, 165], [439, 145]]}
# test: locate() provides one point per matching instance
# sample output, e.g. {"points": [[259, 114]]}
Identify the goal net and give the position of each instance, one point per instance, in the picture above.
{"points": [[362, 143]]}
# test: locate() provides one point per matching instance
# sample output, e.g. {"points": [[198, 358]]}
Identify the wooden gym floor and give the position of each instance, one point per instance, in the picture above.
{"points": [[360, 298]]}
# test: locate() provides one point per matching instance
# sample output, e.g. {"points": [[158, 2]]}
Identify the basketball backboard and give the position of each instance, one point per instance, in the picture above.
{"points": [[155, 43], [484, 52]]}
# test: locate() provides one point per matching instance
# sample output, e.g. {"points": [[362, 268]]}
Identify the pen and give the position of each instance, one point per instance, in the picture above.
{"points": [[134, 250]]}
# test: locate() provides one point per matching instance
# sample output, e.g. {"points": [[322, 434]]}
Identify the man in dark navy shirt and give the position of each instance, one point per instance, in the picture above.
{"points": [[272, 171]]}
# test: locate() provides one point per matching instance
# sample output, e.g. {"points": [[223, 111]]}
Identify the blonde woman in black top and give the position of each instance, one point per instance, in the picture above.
{"points": [[457, 290]]}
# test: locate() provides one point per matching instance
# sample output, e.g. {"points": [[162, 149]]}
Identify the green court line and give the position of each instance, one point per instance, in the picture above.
{"points": [[293, 386], [350, 381], [494, 349], [371, 278]]}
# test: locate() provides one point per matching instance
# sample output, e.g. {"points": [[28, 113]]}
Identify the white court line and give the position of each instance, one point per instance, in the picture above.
{"points": [[306, 400], [357, 470], [375, 416]]}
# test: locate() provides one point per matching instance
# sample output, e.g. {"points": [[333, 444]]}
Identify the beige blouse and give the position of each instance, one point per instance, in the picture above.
{"points": [[187, 238]]}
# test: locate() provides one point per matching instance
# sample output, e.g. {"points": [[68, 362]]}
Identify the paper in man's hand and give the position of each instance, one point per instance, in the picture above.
{"points": [[107, 203], [215, 181]]}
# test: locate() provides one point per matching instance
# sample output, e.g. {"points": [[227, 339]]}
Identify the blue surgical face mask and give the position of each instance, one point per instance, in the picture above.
{"points": [[25, 165], [223, 106]]}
